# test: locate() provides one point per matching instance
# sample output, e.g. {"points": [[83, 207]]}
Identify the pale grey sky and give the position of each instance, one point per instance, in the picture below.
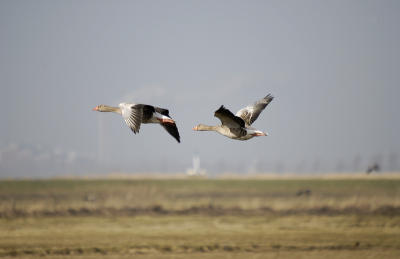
{"points": [[333, 67]]}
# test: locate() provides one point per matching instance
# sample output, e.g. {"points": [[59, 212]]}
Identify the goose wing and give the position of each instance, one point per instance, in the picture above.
{"points": [[251, 112], [228, 118], [162, 111], [132, 115], [169, 127], [172, 130]]}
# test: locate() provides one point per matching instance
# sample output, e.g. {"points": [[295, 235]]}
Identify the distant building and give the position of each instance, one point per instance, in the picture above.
{"points": [[373, 168], [196, 170]]}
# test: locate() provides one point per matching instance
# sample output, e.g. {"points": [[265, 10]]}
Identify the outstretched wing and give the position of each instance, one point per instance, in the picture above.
{"points": [[172, 130], [250, 113], [169, 127], [228, 118], [133, 115]]}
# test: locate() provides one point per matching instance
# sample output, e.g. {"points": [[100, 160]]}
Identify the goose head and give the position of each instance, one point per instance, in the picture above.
{"points": [[99, 108], [201, 127], [256, 133], [106, 108]]}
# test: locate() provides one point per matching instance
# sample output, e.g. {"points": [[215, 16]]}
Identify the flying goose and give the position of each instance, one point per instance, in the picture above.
{"points": [[136, 114], [238, 126]]}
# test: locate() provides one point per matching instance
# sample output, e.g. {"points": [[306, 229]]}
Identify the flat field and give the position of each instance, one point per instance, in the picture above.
{"points": [[201, 218]]}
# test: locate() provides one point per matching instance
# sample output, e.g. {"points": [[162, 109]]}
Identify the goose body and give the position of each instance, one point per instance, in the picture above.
{"points": [[136, 114], [238, 126]]}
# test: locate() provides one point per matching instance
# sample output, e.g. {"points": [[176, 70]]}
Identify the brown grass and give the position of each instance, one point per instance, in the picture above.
{"points": [[193, 218]]}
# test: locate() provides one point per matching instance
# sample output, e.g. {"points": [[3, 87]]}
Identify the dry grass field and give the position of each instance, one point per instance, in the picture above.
{"points": [[201, 218]]}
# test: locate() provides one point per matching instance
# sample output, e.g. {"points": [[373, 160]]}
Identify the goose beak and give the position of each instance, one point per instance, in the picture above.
{"points": [[194, 128], [95, 108]]}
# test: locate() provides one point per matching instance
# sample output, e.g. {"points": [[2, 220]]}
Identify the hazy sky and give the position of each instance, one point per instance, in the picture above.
{"points": [[333, 67]]}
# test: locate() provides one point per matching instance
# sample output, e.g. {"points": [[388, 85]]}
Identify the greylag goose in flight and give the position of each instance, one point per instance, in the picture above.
{"points": [[136, 114], [238, 126]]}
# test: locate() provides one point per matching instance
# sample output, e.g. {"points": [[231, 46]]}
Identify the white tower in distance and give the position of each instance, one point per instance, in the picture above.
{"points": [[195, 170]]}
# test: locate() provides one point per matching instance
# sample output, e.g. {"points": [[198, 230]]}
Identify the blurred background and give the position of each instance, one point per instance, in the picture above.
{"points": [[333, 67]]}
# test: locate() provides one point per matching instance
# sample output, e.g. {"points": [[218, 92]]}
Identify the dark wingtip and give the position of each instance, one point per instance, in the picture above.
{"points": [[172, 129], [178, 137], [269, 96], [220, 109], [134, 131]]}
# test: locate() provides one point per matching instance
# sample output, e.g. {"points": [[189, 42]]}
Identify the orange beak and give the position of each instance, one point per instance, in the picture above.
{"points": [[95, 108], [194, 128]]}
